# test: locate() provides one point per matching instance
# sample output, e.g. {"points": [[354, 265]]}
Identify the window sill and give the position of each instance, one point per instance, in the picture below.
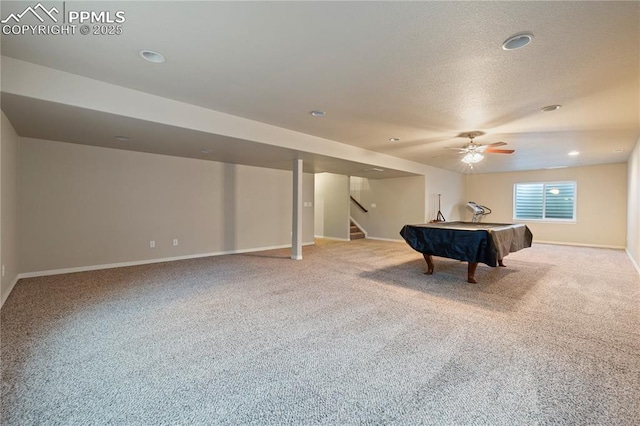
{"points": [[555, 221]]}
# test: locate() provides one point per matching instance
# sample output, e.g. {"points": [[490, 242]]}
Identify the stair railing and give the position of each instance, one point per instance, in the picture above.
{"points": [[358, 204]]}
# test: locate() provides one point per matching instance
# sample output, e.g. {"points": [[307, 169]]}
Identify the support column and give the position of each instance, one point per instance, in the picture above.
{"points": [[296, 231]]}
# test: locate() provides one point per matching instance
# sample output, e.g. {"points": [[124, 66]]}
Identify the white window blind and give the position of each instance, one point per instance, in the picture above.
{"points": [[553, 201]]}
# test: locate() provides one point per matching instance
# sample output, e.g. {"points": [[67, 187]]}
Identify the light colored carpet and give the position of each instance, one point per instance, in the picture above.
{"points": [[353, 334]]}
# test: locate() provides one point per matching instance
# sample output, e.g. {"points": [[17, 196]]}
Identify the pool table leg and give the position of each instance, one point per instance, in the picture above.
{"points": [[471, 272], [429, 260]]}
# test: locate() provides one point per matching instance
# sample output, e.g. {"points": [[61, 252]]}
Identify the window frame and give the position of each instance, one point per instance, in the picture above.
{"points": [[543, 219]]}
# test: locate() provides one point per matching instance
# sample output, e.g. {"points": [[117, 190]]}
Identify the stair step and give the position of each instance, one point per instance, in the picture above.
{"points": [[355, 233]]}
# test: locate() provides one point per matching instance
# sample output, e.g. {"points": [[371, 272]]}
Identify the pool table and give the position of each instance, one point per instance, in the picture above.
{"points": [[472, 242]]}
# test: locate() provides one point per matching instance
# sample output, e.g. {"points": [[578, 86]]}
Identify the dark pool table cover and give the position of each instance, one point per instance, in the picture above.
{"points": [[468, 241]]}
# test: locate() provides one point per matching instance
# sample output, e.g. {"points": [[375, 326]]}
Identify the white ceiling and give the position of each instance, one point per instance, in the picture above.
{"points": [[423, 72]]}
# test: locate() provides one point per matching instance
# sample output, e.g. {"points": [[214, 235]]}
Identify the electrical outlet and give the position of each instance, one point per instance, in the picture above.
{"points": [[175, 241], [152, 244]]}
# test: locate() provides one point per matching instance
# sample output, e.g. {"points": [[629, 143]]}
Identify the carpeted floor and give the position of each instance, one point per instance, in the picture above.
{"points": [[353, 334]]}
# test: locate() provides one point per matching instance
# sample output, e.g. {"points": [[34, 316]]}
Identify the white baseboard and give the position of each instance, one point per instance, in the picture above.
{"points": [[6, 294], [147, 261], [560, 243], [332, 238], [393, 240], [633, 261]]}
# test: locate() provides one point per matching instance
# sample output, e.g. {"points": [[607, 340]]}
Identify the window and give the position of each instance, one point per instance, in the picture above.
{"points": [[547, 201]]}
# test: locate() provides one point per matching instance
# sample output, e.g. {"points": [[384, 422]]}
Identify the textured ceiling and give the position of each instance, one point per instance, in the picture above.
{"points": [[420, 71]]}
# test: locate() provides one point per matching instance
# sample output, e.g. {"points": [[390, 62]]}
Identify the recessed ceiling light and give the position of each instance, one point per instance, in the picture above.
{"points": [[550, 108], [206, 151], [394, 139], [152, 56], [122, 138], [618, 151], [517, 41], [317, 113], [574, 153], [374, 169]]}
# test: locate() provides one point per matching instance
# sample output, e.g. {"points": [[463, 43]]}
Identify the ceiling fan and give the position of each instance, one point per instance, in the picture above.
{"points": [[473, 152]]}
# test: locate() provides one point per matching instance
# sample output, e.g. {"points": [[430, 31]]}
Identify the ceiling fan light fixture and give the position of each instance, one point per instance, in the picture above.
{"points": [[472, 158], [517, 41]]}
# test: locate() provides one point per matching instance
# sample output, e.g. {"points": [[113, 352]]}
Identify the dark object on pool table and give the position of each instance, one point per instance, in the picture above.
{"points": [[487, 243]]}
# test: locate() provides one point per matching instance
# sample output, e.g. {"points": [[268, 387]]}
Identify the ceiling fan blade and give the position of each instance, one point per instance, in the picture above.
{"points": [[497, 144], [499, 151]]}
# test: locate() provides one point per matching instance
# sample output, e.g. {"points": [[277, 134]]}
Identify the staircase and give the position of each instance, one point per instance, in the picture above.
{"points": [[355, 233]]}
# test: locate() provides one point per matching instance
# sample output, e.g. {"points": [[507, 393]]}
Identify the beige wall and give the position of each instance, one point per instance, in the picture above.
{"points": [[451, 186], [398, 202], [83, 206], [601, 203], [8, 207], [360, 190], [406, 200], [391, 204], [308, 219], [331, 206], [633, 208]]}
